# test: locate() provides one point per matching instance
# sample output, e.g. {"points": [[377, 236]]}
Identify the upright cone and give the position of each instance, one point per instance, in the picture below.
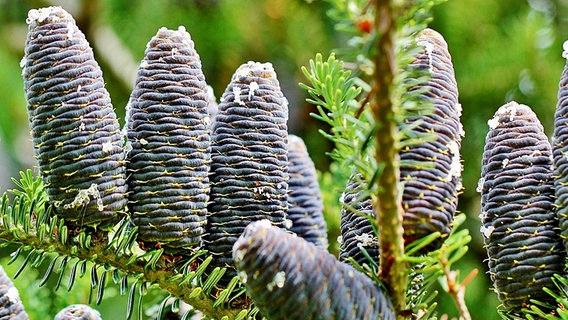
{"points": [[560, 151], [169, 141], [305, 206], [518, 213], [431, 170], [75, 132], [356, 229], [249, 159]]}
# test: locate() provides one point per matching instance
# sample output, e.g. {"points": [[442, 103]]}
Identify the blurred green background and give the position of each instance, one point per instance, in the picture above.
{"points": [[502, 50]]}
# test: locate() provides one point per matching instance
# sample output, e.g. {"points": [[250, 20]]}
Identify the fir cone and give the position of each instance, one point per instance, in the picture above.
{"points": [[75, 132], [11, 307], [518, 213], [560, 152], [356, 229], [169, 144], [305, 206], [249, 162], [431, 171], [78, 312], [290, 278]]}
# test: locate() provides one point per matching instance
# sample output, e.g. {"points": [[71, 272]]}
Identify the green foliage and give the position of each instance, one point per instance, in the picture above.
{"points": [[435, 267], [540, 310], [561, 298], [115, 259], [334, 93], [11, 103]]}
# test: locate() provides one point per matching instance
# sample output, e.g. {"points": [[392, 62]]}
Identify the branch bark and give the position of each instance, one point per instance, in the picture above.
{"points": [[457, 290], [166, 277], [388, 206]]}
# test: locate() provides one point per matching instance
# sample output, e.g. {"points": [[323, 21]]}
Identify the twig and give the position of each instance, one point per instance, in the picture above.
{"points": [[388, 207], [456, 290], [164, 276]]}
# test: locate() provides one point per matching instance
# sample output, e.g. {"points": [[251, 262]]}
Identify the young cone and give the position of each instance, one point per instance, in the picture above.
{"points": [[305, 206], [169, 141], [249, 159], [518, 213], [75, 132], [431, 170], [560, 152], [356, 230]]}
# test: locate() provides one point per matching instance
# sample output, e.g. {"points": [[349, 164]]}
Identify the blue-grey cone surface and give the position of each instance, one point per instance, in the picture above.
{"points": [[290, 278], [356, 230], [168, 134], [305, 206], [249, 159], [431, 170], [78, 312], [75, 132], [519, 222], [560, 153], [11, 307]]}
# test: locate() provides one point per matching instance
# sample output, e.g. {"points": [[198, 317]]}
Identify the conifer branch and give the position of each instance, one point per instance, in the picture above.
{"points": [[456, 289], [388, 208], [165, 278], [24, 222]]}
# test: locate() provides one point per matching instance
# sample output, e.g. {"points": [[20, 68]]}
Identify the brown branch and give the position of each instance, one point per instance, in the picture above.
{"points": [[456, 290], [165, 276], [388, 207]]}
